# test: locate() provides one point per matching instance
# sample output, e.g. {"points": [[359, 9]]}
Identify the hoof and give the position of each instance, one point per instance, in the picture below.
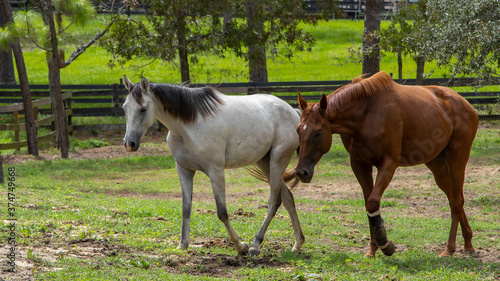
{"points": [[446, 253], [254, 251], [296, 249], [470, 251], [369, 254], [244, 249], [182, 247], [389, 249]]}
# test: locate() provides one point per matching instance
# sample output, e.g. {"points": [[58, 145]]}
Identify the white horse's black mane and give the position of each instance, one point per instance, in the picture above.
{"points": [[183, 102]]}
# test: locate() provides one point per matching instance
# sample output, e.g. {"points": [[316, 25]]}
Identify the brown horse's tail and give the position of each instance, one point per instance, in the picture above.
{"points": [[289, 176]]}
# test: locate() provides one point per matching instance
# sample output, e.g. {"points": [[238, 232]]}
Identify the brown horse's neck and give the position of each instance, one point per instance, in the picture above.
{"points": [[346, 121]]}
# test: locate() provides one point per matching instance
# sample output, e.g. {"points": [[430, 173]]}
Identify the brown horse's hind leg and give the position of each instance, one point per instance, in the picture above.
{"points": [[449, 176]]}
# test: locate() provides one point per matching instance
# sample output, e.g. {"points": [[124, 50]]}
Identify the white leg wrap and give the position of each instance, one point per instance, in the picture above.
{"points": [[385, 246], [374, 214]]}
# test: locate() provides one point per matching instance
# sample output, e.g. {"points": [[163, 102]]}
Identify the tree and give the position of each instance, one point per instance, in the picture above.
{"points": [[52, 12], [174, 29], [184, 29], [12, 41], [257, 60], [53, 62], [7, 64], [405, 35], [272, 29], [371, 39], [463, 37]]}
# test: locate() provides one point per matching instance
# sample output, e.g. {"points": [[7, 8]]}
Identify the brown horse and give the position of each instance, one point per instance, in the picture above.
{"points": [[386, 125]]}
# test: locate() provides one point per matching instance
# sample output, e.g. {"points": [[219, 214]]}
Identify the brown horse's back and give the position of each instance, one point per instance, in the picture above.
{"points": [[431, 116]]}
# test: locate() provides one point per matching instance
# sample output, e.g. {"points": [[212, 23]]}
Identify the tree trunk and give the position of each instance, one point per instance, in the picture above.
{"points": [[183, 49], [31, 130], [420, 70], [371, 40], [7, 75], [53, 63], [257, 62], [227, 18]]}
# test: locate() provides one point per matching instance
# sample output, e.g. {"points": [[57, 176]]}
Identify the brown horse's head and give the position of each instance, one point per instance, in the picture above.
{"points": [[315, 137]]}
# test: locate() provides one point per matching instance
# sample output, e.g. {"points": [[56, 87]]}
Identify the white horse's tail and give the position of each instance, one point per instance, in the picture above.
{"points": [[288, 176]]}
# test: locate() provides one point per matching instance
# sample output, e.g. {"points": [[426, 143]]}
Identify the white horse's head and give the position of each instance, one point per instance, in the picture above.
{"points": [[139, 112]]}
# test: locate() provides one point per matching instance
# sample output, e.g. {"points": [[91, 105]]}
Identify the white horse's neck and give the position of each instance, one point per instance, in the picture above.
{"points": [[174, 125]]}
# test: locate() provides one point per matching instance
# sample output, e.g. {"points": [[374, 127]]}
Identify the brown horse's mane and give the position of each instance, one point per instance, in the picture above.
{"points": [[360, 88]]}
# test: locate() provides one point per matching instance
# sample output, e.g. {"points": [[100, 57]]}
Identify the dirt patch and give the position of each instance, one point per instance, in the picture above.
{"points": [[42, 254], [115, 149]]}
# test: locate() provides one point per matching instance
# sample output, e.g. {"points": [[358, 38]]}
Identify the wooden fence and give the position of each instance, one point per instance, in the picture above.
{"points": [[106, 100], [17, 108]]}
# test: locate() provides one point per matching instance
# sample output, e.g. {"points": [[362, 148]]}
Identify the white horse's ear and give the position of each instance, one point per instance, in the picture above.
{"points": [[128, 84], [144, 85]]}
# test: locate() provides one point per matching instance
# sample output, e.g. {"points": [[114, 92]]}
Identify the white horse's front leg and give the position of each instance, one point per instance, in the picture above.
{"points": [[219, 188], [186, 180]]}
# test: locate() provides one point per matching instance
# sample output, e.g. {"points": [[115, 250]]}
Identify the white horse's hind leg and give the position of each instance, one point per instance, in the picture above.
{"points": [[287, 198], [273, 205], [186, 181], [219, 189]]}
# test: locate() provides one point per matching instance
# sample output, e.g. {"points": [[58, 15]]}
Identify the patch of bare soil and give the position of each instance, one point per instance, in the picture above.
{"points": [[39, 257], [114, 150]]}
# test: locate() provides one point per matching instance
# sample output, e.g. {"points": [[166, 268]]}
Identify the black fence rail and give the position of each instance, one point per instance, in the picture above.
{"points": [[106, 100]]}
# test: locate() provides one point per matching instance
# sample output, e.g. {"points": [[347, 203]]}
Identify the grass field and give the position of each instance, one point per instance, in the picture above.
{"points": [[101, 217]]}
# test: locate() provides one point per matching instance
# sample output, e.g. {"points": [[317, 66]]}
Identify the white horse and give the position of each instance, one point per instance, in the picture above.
{"points": [[210, 132]]}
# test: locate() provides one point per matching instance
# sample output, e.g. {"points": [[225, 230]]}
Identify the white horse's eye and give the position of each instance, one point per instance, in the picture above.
{"points": [[143, 109]]}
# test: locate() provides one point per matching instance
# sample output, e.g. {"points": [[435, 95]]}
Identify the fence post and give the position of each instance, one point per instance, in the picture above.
{"points": [[67, 105], [53, 123], [2, 181], [16, 121], [115, 101]]}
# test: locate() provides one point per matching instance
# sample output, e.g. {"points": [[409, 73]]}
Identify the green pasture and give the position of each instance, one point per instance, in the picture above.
{"points": [[328, 61], [120, 219]]}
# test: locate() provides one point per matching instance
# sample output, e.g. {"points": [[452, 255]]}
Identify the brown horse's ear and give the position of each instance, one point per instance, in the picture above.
{"points": [[128, 84], [323, 104], [144, 85], [302, 103]]}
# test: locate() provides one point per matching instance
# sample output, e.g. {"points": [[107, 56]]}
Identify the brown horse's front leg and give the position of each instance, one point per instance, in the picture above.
{"points": [[384, 177], [379, 234]]}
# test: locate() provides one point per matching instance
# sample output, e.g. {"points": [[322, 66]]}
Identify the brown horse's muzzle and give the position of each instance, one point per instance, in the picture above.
{"points": [[304, 175]]}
